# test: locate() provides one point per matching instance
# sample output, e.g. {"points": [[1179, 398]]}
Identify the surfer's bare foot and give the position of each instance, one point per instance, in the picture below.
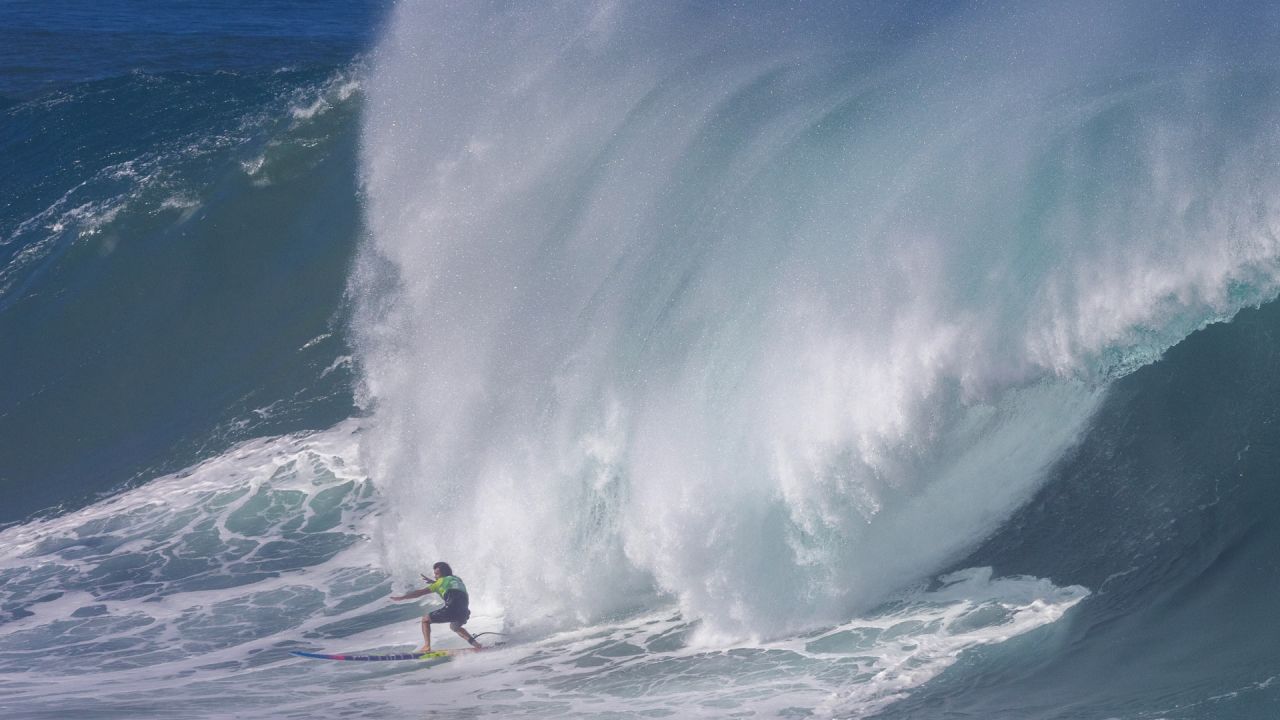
{"points": [[422, 650]]}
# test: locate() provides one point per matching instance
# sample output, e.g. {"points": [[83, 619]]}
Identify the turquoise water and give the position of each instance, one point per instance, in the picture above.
{"points": [[899, 360]]}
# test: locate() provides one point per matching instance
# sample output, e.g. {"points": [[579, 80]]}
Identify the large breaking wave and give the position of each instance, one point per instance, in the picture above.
{"points": [[775, 311]]}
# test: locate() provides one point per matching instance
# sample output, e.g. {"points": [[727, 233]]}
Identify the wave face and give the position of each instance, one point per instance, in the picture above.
{"points": [[696, 301], [1167, 509]]}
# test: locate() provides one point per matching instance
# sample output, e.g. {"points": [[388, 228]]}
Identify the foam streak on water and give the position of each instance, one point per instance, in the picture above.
{"points": [[190, 564]]}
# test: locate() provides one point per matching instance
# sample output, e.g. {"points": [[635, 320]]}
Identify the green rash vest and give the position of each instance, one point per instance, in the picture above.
{"points": [[447, 583]]}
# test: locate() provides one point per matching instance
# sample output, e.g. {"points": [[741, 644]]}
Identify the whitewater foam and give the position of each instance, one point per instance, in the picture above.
{"points": [[99, 585], [691, 306]]}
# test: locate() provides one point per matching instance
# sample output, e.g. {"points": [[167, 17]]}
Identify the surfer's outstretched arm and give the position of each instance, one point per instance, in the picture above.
{"points": [[411, 595]]}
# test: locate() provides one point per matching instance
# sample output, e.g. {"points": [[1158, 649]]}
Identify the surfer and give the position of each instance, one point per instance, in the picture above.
{"points": [[455, 610]]}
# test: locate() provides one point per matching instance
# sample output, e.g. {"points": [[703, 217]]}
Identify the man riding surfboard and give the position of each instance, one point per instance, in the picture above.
{"points": [[455, 611]]}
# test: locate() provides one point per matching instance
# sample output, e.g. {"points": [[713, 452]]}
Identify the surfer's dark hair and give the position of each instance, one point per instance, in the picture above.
{"points": [[443, 567]]}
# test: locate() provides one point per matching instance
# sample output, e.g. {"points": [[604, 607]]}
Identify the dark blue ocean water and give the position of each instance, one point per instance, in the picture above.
{"points": [[123, 347], [46, 46], [902, 360]]}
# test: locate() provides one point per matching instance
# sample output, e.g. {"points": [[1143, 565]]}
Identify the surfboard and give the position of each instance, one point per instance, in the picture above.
{"points": [[433, 655]]}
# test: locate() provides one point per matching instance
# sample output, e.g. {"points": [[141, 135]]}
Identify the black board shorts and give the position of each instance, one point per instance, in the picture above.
{"points": [[455, 609]]}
